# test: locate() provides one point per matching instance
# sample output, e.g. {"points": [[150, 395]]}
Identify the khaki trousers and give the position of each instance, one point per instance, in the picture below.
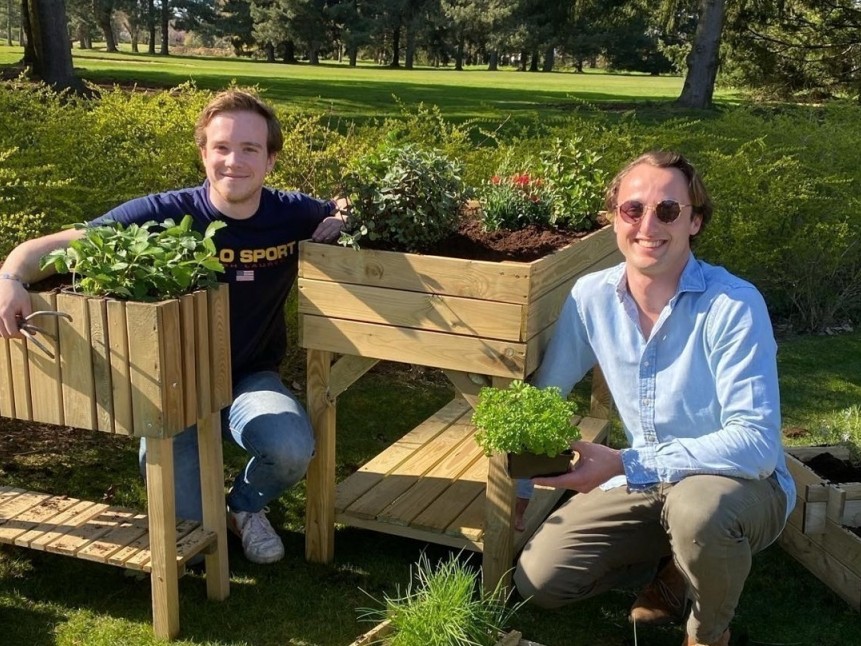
{"points": [[711, 525]]}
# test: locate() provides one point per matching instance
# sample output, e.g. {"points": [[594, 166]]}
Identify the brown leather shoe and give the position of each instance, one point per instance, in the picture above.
{"points": [[723, 641], [663, 601]]}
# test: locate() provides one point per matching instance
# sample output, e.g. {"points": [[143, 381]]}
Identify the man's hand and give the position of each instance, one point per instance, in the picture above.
{"points": [[597, 464], [14, 305], [330, 228]]}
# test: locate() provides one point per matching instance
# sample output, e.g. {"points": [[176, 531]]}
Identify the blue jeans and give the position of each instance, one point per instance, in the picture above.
{"points": [[268, 422]]}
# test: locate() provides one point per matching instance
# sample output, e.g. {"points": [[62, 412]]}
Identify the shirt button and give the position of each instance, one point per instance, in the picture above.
{"points": [[646, 363], [646, 401]]}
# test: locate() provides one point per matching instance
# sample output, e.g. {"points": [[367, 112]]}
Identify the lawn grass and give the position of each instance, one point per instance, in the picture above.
{"points": [[370, 91]]}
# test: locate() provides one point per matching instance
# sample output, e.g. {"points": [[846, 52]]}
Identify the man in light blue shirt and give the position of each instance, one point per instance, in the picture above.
{"points": [[689, 356]]}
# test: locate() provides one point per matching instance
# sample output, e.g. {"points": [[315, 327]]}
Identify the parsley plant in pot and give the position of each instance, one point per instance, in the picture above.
{"points": [[532, 425]]}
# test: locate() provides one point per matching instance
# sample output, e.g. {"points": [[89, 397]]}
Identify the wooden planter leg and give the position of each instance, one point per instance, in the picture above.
{"points": [[498, 552], [320, 505], [161, 507], [214, 511]]}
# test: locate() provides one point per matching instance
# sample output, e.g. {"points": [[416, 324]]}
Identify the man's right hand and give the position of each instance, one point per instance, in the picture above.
{"points": [[14, 305]]}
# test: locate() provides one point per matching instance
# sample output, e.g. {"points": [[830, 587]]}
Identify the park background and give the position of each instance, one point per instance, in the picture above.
{"points": [[779, 154]]}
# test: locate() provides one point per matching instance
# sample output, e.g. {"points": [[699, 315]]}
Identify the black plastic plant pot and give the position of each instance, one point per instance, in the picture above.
{"points": [[531, 465]]}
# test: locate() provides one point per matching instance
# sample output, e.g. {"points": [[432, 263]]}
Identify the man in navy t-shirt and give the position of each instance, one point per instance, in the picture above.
{"points": [[239, 137]]}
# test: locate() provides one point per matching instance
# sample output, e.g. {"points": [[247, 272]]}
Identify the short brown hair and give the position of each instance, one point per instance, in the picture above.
{"points": [[701, 202], [239, 101]]}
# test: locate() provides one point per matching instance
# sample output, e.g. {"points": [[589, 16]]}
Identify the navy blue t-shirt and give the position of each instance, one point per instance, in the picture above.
{"points": [[260, 256]]}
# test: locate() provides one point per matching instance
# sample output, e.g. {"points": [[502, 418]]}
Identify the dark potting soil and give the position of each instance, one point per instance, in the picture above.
{"points": [[834, 469]]}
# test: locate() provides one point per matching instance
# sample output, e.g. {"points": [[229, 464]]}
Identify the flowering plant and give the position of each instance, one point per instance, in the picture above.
{"points": [[515, 201]]}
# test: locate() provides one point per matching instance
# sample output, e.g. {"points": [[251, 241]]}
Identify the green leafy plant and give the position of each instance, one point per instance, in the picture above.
{"points": [[575, 183], [138, 263], [524, 419], [404, 197], [444, 606]]}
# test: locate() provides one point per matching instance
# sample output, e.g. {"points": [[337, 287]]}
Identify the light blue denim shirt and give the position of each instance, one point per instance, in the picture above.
{"points": [[699, 396]]}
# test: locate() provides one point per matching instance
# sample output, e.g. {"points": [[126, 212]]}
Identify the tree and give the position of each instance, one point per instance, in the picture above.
{"points": [[700, 80], [48, 52]]}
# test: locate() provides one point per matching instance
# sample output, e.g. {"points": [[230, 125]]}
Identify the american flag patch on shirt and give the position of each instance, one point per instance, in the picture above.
{"points": [[244, 275]]}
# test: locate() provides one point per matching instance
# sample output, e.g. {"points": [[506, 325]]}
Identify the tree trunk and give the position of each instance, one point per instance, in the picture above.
{"points": [[533, 64], [269, 50], [289, 52], [353, 54], [703, 60], [314, 54], [150, 23], [458, 55], [82, 36], [103, 17], [396, 47], [48, 46], [493, 61], [410, 52], [549, 59], [165, 27], [9, 22], [524, 56]]}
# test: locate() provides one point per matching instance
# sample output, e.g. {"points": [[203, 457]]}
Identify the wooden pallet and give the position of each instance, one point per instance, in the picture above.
{"points": [[89, 530], [431, 484]]}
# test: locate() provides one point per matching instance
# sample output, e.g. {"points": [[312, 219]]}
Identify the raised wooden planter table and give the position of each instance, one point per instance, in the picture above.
{"points": [[134, 369], [483, 323]]}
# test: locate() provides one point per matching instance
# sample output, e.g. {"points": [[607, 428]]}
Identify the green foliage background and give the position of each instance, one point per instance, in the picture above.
{"points": [[784, 180]]}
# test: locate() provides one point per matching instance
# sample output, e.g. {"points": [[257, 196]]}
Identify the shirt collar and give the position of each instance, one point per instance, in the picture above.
{"points": [[691, 280]]}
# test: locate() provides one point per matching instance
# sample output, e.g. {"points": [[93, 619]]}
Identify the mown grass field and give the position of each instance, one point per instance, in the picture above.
{"points": [[47, 599]]}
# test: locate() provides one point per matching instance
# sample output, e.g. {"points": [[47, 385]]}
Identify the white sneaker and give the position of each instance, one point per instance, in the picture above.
{"points": [[259, 540]]}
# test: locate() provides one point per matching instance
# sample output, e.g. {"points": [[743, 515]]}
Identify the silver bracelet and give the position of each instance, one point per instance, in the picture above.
{"points": [[15, 277]]}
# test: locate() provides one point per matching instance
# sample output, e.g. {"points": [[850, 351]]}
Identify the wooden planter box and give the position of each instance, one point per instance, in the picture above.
{"points": [[142, 369], [377, 634], [139, 369], [816, 534], [489, 318]]}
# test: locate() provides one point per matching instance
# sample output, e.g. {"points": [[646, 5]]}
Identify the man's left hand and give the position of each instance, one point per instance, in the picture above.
{"points": [[597, 464], [329, 229]]}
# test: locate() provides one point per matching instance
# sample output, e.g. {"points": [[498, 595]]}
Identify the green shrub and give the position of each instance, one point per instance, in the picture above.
{"points": [[515, 201], [524, 419], [403, 197]]}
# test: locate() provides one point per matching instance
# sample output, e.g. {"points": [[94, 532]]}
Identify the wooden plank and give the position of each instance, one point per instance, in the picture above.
{"points": [[397, 481], [145, 370], [18, 357], [56, 526], [375, 635], [161, 509], [470, 522], [212, 500], [407, 531], [203, 365], [19, 504], [805, 453], [96, 526], [494, 281], [801, 473], [76, 362], [434, 349], [498, 535], [468, 384], [136, 555], [12, 530], [419, 310], [575, 259], [593, 429], [126, 530], [188, 359], [46, 386], [435, 480], [100, 351], [172, 396], [823, 565], [373, 471], [320, 496], [346, 371], [457, 497], [219, 352], [118, 348], [7, 398], [193, 543]]}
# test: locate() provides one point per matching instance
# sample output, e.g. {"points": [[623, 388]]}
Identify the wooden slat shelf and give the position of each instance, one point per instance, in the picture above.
{"points": [[430, 485], [89, 530]]}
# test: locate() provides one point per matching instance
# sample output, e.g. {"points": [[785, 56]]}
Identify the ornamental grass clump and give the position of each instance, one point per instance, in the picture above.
{"points": [[444, 606], [403, 197], [138, 262], [524, 419]]}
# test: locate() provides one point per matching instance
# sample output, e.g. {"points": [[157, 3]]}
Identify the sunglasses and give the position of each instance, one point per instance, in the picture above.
{"points": [[667, 211]]}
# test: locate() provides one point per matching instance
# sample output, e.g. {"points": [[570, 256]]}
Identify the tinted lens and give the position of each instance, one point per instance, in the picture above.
{"points": [[668, 210], [632, 210]]}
